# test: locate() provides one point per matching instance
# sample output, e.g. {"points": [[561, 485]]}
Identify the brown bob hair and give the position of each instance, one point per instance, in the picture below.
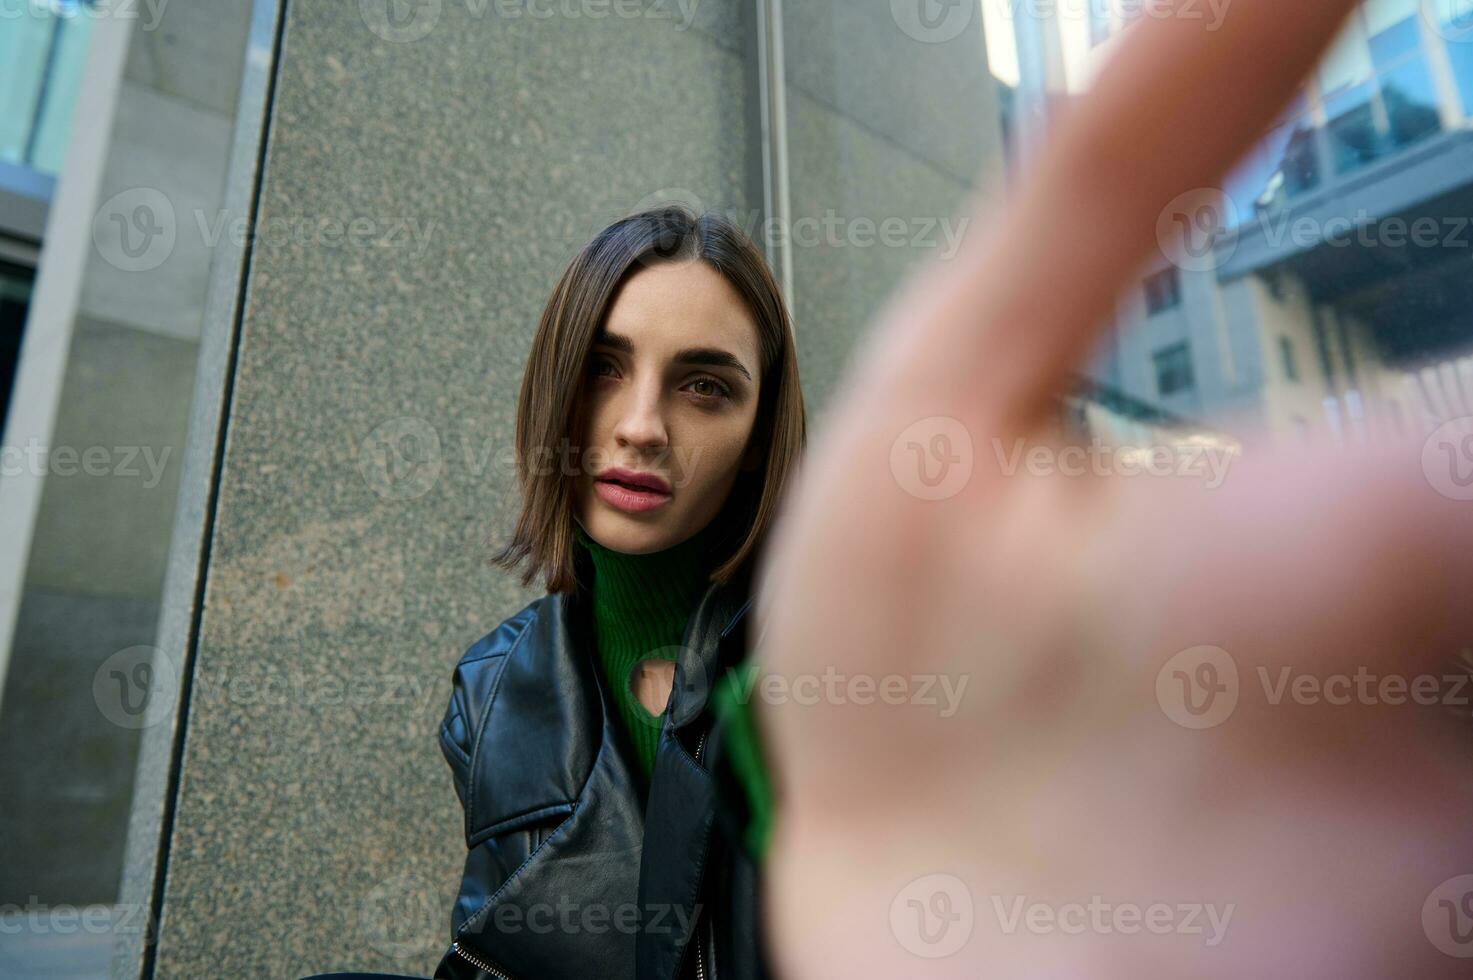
{"points": [[550, 406]]}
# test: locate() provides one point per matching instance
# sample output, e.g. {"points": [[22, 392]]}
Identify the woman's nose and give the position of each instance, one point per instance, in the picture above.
{"points": [[641, 420]]}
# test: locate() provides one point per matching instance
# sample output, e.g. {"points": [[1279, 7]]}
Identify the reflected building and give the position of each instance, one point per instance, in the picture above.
{"points": [[1326, 293]]}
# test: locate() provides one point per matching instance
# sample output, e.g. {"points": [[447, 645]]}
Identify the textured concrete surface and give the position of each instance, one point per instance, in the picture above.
{"points": [[367, 463], [67, 769], [103, 526], [882, 127]]}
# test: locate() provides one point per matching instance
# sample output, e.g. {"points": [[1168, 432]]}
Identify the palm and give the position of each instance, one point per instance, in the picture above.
{"points": [[1318, 828]]}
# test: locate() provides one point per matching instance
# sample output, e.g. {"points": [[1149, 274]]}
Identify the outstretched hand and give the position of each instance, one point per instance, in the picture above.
{"points": [[1188, 740]]}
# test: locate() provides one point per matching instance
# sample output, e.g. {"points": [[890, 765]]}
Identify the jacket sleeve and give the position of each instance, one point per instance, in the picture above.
{"points": [[471, 689], [455, 732]]}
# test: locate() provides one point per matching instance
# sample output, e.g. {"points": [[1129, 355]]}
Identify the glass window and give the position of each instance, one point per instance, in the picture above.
{"points": [[1285, 165], [1382, 305], [1174, 369], [1099, 21], [15, 298], [41, 50], [1411, 102], [1395, 42], [1355, 132], [1286, 354], [1163, 291], [1381, 14], [1452, 16], [1348, 62], [1454, 19]]}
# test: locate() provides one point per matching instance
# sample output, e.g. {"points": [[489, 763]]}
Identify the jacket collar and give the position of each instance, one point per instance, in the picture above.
{"points": [[545, 710], [711, 644]]}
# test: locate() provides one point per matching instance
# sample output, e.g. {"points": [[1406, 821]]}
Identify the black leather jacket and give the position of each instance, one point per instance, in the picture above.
{"points": [[565, 874]]}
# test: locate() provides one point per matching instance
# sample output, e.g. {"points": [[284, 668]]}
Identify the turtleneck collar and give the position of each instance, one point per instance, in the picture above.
{"points": [[650, 594]]}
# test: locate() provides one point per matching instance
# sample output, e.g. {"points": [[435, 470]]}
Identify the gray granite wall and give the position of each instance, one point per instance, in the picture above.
{"points": [[427, 180], [892, 122]]}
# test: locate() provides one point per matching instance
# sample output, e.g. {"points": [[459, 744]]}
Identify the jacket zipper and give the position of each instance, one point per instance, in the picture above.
{"points": [[479, 963], [711, 945]]}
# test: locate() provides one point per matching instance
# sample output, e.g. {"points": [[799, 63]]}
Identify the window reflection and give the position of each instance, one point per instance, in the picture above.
{"points": [[1454, 19], [1337, 307], [15, 295], [41, 50]]}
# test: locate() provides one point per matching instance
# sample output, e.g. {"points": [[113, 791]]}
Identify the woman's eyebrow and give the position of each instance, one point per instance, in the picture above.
{"points": [[711, 356]]}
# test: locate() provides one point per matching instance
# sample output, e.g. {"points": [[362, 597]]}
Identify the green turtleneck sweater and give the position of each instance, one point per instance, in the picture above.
{"points": [[640, 607]]}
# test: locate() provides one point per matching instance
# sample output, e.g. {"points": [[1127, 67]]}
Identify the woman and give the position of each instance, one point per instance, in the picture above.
{"points": [[659, 421]]}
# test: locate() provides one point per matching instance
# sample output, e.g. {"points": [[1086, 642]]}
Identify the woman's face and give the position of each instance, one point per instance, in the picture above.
{"points": [[672, 398]]}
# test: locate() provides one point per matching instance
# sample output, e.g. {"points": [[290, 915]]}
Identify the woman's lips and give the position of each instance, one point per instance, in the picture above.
{"points": [[627, 499]]}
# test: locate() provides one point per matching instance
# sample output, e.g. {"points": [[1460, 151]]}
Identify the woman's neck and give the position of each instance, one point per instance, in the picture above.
{"points": [[649, 596]]}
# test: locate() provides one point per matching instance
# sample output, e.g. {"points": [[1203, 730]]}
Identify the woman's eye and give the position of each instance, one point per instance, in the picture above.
{"points": [[596, 363], [715, 389]]}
